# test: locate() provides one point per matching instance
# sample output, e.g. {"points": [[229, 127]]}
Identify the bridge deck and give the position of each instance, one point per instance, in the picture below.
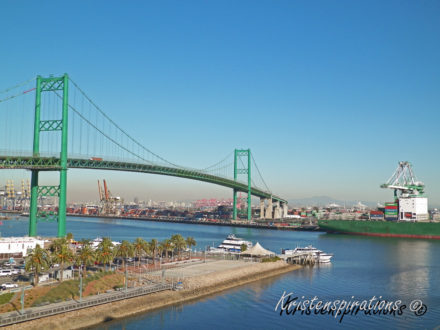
{"points": [[52, 163]]}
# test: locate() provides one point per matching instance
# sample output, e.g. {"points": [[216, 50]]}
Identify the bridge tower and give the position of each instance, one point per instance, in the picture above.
{"points": [[51, 84], [238, 153]]}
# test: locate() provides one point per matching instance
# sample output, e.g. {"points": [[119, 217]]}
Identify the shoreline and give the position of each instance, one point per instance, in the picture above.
{"points": [[241, 224], [195, 288], [232, 224]]}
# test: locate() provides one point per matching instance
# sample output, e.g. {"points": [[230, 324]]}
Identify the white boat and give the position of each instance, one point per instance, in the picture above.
{"points": [[231, 244], [319, 255], [98, 240]]}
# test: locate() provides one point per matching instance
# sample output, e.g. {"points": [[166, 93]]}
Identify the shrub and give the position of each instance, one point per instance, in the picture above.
{"points": [[6, 297], [270, 259]]}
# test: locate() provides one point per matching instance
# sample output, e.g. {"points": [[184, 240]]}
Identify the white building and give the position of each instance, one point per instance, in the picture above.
{"points": [[18, 246], [413, 208]]}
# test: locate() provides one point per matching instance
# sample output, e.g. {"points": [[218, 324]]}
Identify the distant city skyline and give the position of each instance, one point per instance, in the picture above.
{"points": [[329, 96]]}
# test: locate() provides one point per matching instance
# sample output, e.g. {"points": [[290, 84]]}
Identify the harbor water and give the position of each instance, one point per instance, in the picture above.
{"points": [[362, 269]]}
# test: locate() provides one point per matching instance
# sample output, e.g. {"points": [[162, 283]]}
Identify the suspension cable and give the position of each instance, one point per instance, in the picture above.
{"points": [[258, 170], [117, 126], [218, 163]]}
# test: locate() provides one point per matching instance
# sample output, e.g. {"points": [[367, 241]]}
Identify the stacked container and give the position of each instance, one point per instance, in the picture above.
{"points": [[376, 215], [391, 211]]}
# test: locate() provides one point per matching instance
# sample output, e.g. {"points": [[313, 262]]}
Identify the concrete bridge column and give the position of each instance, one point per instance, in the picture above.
{"points": [[269, 209], [262, 208], [277, 214], [284, 207]]}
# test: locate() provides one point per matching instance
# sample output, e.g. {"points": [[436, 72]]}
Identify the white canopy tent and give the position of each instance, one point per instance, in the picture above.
{"points": [[258, 250]]}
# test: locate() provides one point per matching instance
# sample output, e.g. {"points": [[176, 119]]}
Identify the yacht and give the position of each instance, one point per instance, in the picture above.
{"points": [[231, 244], [319, 255]]}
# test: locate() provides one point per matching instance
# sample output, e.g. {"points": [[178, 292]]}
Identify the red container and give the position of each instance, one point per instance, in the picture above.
{"points": [[376, 212]]}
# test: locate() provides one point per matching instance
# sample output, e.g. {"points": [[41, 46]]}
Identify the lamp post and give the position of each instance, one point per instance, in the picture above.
{"points": [[22, 289], [125, 278], [80, 283]]}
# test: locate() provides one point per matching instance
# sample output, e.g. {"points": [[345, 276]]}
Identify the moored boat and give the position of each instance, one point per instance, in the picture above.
{"points": [[320, 256], [231, 244]]}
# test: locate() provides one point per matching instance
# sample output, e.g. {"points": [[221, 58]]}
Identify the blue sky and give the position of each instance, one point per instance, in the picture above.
{"points": [[328, 95]]}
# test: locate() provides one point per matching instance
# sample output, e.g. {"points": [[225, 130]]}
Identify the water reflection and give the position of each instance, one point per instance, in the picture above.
{"points": [[410, 259]]}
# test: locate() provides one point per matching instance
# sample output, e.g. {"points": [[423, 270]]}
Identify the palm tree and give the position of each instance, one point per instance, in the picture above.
{"points": [[57, 244], [37, 261], [64, 256], [190, 241], [124, 250], [104, 251], [162, 248], [139, 247], [86, 257], [153, 246], [179, 243], [84, 241]]}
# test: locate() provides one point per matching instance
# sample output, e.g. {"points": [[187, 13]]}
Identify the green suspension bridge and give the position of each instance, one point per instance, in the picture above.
{"points": [[51, 124]]}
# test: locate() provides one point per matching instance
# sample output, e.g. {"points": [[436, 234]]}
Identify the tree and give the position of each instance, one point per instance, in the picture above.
{"points": [[104, 251], [69, 237], [153, 246], [179, 243], [61, 253], [37, 261], [86, 257], [140, 247], [167, 246], [84, 241], [243, 247], [190, 242], [124, 250], [57, 244]]}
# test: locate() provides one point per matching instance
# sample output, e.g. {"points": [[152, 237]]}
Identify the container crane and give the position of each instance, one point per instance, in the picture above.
{"points": [[404, 180], [109, 204]]}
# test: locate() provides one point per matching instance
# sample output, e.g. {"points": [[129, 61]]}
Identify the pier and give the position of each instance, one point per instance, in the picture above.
{"points": [[302, 258]]}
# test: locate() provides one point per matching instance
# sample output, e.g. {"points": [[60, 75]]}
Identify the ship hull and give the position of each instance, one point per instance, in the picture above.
{"points": [[421, 230]]}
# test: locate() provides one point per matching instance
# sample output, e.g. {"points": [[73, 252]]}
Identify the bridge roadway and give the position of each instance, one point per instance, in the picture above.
{"points": [[53, 164]]}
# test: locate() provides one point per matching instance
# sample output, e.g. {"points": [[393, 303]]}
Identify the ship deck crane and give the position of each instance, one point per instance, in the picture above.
{"points": [[404, 180]]}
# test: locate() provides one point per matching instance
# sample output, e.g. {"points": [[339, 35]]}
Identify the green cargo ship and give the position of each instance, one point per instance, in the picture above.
{"points": [[430, 230]]}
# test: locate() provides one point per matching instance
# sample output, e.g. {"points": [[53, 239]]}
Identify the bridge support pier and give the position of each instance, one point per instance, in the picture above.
{"points": [[269, 209], [277, 213], [284, 208], [262, 200]]}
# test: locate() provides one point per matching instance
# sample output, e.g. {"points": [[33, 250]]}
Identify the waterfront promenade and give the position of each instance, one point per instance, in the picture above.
{"points": [[199, 279]]}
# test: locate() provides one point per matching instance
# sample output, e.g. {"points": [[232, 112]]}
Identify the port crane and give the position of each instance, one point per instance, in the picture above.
{"points": [[404, 180], [108, 203]]}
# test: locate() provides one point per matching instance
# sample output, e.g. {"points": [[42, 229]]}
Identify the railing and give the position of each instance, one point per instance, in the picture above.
{"points": [[38, 312]]}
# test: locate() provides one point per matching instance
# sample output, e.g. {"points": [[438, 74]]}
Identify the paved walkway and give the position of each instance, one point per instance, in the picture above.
{"points": [[67, 306]]}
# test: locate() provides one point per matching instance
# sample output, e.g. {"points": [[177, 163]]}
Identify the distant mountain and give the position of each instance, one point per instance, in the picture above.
{"points": [[325, 200]]}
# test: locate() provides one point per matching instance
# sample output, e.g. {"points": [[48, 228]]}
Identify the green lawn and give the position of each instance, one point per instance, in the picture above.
{"points": [[67, 289], [6, 297]]}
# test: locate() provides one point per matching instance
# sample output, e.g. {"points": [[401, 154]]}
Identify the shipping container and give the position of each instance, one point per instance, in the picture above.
{"points": [[376, 212]]}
